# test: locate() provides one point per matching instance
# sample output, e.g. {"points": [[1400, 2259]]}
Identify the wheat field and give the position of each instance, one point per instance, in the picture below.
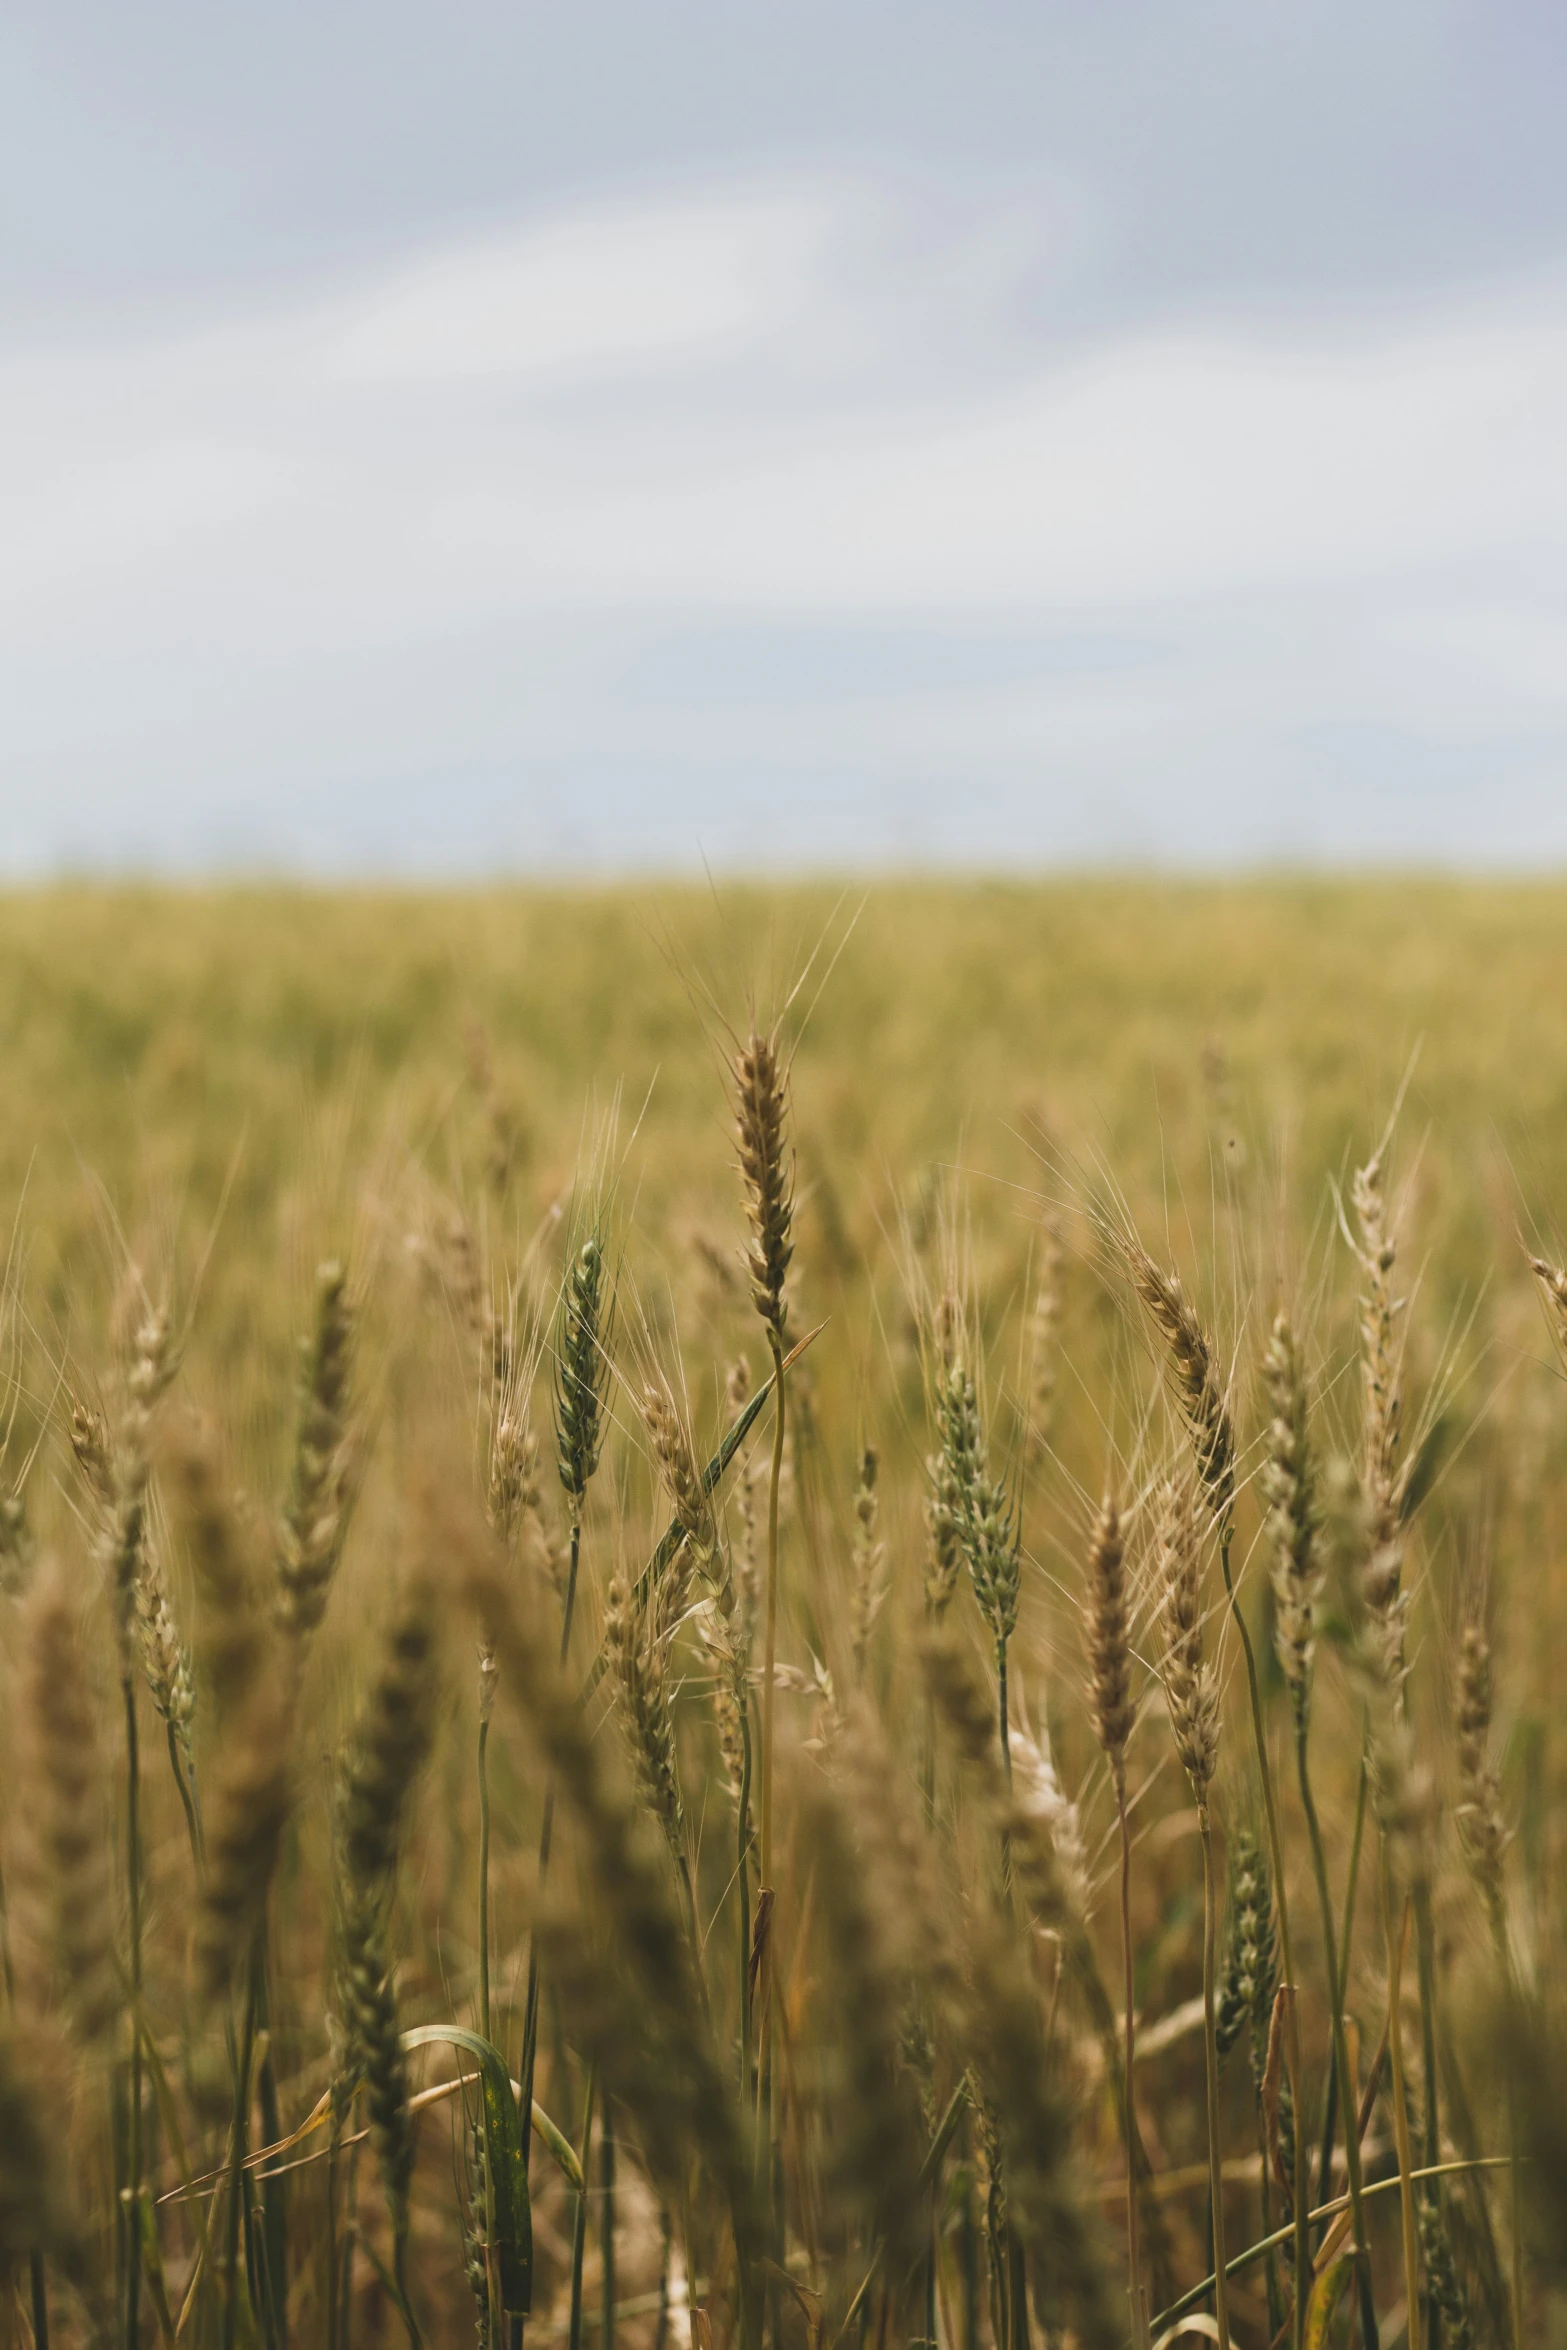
{"points": [[683, 1569]]}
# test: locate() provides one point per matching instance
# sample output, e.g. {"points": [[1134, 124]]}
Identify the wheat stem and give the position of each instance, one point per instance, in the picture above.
{"points": [[134, 2142], [579, 2225], [1394, 1939], [969, 2255], [40, 2299], [1340, 2042], [486, 2025], [932, 2255], [238, 2132], [1431, 2134], [1484, 1838], [768, 2150], [484, 1879], [1330, 2103], [1221, 2309], [1515, 2181], [607, 2221], [329, 2264], [1301, 2227], [188, 1803], [400, 2280], [743, 1881], [770, 1637], [1017, 2293], [530, 2028], [350, 2240], [1140, 2332], [661, 2320], [274, 2212]]}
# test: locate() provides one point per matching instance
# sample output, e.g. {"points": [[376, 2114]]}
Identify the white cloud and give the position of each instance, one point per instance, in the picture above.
{"points": [[510, 510], [669, 283]]}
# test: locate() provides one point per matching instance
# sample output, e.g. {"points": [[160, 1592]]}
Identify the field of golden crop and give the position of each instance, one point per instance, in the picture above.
{"points": [[378, 1311]]}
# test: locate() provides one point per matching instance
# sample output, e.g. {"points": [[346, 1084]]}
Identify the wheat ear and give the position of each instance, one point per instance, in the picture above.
{"points": [[1384, 1474]]}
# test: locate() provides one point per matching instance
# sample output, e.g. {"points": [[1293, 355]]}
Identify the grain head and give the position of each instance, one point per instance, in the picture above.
{"points": [[1107, 1639], [761, 1100]]}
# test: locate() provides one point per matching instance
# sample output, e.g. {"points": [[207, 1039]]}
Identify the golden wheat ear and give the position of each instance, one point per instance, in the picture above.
{"points": [[1107, 1638], [1292, 1512], [1198, 1386], [315, 1519], [761, 1101], [1190, 1685]]}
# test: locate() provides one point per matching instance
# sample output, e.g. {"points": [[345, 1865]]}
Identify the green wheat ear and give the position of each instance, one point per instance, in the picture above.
{"points": [[584, 1335]]}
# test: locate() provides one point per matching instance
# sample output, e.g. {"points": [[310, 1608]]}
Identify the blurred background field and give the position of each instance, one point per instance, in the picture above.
{"points": [[232, 1083], [1226, 1050], [1202, 1038]]}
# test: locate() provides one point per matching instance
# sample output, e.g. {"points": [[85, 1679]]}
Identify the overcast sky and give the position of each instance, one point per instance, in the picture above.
{"points": [[463, 438]]}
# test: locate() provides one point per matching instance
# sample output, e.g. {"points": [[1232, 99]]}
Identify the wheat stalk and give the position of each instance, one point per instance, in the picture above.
{"points": [[1107, 1638], [1292, 1529], [1484, 1839], [1192, 1690], [585, 1329], [760, 1081], [375, 1780]]}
